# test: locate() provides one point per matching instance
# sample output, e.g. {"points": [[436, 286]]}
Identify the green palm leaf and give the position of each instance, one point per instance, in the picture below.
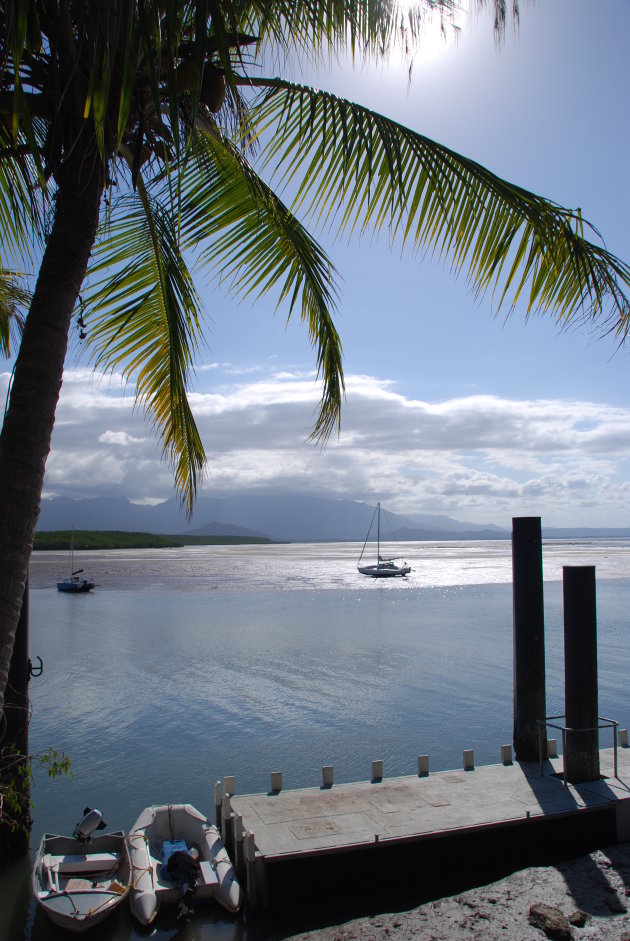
{"points": [[144, 318], [14, 299], [21, 201], [508, 240], [256, 245]]}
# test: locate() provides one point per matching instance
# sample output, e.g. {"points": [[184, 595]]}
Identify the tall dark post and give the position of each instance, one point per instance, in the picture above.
{"points": [[529, 636], [581, 761]]}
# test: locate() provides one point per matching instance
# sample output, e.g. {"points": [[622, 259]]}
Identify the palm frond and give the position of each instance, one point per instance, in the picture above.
{"points": [[21, 201], [14, 300], [364, 27], [241, 229], [356, 168], [144, 318]]}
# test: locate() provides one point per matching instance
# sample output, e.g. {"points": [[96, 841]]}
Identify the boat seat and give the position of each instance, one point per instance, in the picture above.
{"points": [[78, 885], [208, 873], [72, 864]]}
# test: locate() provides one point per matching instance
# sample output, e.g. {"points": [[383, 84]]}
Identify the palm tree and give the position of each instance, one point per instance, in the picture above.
{"points": [[137, 135]]}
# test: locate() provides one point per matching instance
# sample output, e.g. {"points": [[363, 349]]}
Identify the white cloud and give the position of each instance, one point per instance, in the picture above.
{"points": [[119, 437], [481, 458]]}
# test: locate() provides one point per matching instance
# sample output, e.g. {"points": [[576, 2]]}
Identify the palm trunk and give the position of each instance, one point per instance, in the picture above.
{"points": [[28, 424]]}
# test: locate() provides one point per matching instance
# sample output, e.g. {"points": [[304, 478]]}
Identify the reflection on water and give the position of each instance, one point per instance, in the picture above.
{"points": [[187, 665], [323, 567]]}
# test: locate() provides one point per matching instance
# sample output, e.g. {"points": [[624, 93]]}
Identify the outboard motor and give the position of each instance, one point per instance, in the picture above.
{"points": [[92, 820]]}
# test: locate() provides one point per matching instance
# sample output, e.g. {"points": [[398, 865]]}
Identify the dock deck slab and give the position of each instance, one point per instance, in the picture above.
{"points": [[312, 820]]}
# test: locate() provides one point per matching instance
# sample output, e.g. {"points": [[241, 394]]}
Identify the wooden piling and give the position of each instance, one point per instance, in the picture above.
{"points": [[581, 760], [239, 836], [226, 820], [249, 847], [529, 636], [218, 800]]}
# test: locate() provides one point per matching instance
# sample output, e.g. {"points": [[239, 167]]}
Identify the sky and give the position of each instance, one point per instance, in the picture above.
{"points": [[451, 407]]}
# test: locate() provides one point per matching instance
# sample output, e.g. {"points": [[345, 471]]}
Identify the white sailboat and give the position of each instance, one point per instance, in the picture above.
{"points": [[382, 568]]}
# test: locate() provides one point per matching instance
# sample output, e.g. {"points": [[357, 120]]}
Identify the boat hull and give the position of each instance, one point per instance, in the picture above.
{"points": [[77, 884], [75, 588], [151, 887], [384, 571]]}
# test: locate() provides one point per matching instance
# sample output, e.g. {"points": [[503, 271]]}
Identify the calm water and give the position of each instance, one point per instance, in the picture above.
{"points": [[186, 665]]}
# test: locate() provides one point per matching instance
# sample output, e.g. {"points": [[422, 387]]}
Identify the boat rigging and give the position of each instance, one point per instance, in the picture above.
{"points": [[382, 568]]}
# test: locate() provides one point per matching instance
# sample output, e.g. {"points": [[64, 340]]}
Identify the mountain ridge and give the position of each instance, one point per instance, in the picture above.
{"points": [[282, 518]]}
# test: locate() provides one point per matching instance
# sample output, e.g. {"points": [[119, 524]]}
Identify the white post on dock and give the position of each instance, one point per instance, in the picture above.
{"points": [[249, 847], [238, 843], [469, 759], [552, 748], [377, 770], [276, 782], [327, 776], [226, 819], [506, 754], [423, 766], [228, 785], [623, 738], [217, 804]]}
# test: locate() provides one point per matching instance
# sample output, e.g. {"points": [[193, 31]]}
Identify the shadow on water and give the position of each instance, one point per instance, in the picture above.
{"points": [[21, 919], [307, 906]]}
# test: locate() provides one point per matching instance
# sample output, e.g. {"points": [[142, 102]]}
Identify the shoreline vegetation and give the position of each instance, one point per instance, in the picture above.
{"points": [[117, 539]]}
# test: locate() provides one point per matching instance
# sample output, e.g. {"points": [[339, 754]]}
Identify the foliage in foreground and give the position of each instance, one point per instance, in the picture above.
{"points": [[16, 777]]}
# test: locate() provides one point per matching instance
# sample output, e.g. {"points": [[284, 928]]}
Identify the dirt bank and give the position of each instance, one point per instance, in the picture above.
{"points": [[587, 898]]}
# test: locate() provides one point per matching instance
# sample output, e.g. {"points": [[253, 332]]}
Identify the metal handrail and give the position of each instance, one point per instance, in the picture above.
{"points": [[604, 723]]}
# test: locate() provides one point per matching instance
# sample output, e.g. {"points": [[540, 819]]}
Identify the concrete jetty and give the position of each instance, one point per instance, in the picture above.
{"points": [[424, 835], [408, 835]]}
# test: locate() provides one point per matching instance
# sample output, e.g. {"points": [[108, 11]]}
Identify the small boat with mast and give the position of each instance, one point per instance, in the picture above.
{"points": [[382, 568], [73, 584]]}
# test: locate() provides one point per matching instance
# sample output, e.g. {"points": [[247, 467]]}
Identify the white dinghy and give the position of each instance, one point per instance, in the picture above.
{"points": [[157, 834], [79, 880]]}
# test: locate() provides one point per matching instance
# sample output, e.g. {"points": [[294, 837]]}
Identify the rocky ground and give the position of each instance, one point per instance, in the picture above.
{"points": [[587, 898]]}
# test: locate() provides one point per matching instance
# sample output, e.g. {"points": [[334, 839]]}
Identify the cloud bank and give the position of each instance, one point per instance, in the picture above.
{"points": [[480, 458]]}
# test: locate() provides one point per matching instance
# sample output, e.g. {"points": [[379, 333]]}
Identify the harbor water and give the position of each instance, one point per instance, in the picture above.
{"points": [[186, 665]]}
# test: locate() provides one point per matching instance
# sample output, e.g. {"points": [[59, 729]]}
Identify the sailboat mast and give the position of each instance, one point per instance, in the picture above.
{"points": [[378, 535]]}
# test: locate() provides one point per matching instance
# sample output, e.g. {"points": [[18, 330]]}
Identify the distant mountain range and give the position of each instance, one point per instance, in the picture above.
{"points": [[283, 518]]}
